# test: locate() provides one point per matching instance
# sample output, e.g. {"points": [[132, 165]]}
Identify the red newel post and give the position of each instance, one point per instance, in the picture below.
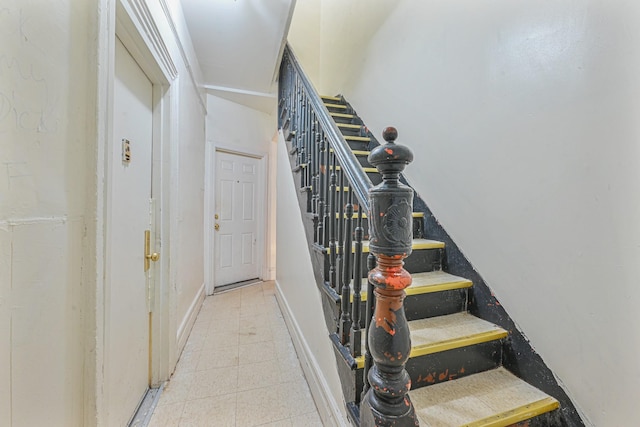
{"points": [[386, 403]]}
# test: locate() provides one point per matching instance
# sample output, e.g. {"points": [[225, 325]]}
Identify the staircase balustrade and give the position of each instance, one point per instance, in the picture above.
{"points": [[339, 196]]}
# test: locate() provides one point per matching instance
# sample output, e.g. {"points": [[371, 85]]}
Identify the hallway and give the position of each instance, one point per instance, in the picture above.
{"points": [[238, 368]]}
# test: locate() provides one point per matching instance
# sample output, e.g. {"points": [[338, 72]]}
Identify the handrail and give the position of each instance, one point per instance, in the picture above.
{"points": [[354, 173]]}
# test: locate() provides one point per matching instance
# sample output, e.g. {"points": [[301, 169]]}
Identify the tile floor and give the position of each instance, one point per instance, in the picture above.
{"points": [[238, 368]]}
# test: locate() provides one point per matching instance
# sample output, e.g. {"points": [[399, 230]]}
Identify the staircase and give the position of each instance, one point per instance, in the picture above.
{"points": [[456, 361]]}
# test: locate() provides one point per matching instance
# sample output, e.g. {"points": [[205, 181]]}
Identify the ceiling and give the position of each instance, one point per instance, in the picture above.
{"points": [[238, 44]]}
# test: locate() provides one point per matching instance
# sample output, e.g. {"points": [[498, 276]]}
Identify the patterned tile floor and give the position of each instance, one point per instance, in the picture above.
{"points": [[238, 368]]}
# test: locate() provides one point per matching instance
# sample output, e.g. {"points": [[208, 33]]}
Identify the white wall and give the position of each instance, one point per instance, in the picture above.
{"points": [[234, 125], [523, 120], [245, 130], [188, 240], [300, 298], [304, 36], [54, 92], [47, 76]]}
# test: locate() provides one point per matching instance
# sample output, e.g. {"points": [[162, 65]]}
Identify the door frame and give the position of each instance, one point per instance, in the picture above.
{"points": [[262, 247], [129, 21]]}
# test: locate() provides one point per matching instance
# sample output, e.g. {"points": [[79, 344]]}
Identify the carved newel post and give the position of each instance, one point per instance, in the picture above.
{"points": [[386, 402]]}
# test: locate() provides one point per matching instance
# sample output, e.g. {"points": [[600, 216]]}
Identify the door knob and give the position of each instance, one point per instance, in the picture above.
{"points": [[217, 227]]}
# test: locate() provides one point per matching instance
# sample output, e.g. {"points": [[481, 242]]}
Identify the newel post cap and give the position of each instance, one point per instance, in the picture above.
{"points": [[390, 157]]}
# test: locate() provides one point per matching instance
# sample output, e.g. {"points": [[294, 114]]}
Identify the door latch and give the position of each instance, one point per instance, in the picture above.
{"points": [[148, 255]]}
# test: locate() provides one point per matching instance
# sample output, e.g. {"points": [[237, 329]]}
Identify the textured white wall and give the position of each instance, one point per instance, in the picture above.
{"points": [[294, 275], [523, 120], [46, 79], [51, 202]]}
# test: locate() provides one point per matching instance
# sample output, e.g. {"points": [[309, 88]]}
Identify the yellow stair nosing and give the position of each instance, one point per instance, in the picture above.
{"points": [[361, 152], [518, 414], [458, 342], [417, 244], [342, 107], [357, 138], [349, 125], [342, 115], [330, 98], [455, 283], [450, 344], [426, 244]]}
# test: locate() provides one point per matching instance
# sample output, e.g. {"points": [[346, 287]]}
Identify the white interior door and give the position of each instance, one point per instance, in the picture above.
{"points": [[127, 377], [236, 222]]}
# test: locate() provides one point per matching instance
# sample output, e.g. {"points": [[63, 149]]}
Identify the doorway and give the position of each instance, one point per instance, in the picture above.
{"points": [[238, 239], [128, 292]]}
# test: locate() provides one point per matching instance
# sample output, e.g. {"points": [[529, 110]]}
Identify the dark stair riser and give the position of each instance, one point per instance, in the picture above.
{"points": [[364, 161], [331, 306], [428, 369], [332, 109], [421, 260], [350, 377], [352, 131], [418, 224], [455, 363], [349, 120], [550, 419], [423, 306]]}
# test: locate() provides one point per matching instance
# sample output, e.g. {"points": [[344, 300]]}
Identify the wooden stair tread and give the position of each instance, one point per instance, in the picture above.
{"points": [[434, 281], [442, 333], [494, 398], [428, 282]]}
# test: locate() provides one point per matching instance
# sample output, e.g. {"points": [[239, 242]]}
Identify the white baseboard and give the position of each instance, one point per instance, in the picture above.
{"points": [[189, 319], [328, 407]]}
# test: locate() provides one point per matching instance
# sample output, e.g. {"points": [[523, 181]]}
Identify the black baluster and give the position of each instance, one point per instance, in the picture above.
{"points": [[333, 225], [345, 316], [328, 192], [386, 402], [368, 316], [300, 135], [340, 237], [355, 335], [307, 151], [322, 172]]}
